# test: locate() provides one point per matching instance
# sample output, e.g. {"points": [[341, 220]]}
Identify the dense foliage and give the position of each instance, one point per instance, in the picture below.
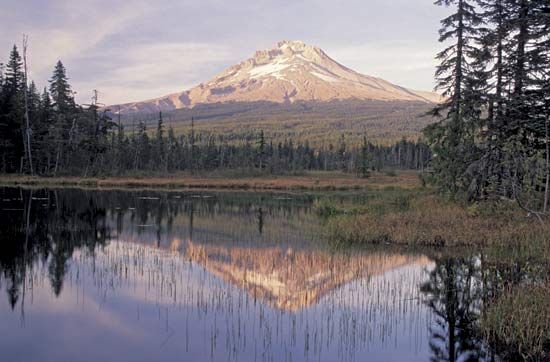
{"points": [[493, 140]]}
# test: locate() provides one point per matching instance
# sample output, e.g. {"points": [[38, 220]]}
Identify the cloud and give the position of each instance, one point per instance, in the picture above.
{"points": [[410, 65], [66, 30], [152, 70], [134, 49]]}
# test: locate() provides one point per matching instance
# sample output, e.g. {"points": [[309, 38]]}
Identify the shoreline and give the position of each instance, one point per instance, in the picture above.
{"points": [[313, 181]]}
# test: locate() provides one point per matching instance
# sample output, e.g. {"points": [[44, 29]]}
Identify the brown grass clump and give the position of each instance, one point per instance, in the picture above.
{"points": [[519, 321]]}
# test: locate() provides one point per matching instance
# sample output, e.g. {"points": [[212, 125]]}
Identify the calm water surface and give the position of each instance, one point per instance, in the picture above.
{"points": [[146, 276]]}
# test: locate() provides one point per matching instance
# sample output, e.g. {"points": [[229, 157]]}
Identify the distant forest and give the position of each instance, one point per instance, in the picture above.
{"points": [[320, 123], [493, 138], [48, 133]]}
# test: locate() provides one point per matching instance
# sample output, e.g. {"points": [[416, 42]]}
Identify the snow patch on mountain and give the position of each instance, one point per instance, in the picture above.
{"points": [[289, 72], [271, 69], [325, 77]]}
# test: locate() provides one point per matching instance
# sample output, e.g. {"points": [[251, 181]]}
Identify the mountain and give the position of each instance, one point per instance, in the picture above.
{"points": [[290, 72]]}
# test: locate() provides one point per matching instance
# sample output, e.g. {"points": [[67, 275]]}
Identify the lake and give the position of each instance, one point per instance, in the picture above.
{"points": [[217, 276]]}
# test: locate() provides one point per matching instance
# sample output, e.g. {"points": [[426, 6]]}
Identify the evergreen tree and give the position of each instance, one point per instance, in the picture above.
{"points": [[12, 114], [494, 38], [261, 150], [14, 78], [364, 160], [516, 138], [44, 134], [193, 151], [452, 139], [342, 153], [3, 135], [121, 149], [142, 153], [1, 77], [493, 139], [34, 101], [91, 134], [172, 150], [160, 156], [64, 112], [60, 90]]}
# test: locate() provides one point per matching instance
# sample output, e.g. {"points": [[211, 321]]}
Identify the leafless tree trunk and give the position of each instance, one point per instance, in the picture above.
{"points": [[547, 140], [57, 159], [28, 128], [539, 215], [71, 131]]}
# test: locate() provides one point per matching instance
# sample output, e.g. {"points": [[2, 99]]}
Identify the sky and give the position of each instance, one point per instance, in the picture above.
{"points": [[132, 50]]}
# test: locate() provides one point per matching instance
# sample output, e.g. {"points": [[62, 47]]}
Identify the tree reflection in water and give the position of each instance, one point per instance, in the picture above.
{"points": [[252, 263], [454, 292], [46, 227]]}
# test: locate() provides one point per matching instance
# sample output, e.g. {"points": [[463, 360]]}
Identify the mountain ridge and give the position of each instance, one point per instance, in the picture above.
{"points": [[289, 72]]}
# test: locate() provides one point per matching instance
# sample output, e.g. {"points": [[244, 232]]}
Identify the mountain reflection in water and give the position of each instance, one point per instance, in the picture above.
{"points": [[288, 279], [212, 277]]}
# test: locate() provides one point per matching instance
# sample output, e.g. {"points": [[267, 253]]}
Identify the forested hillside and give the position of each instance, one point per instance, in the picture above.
{"points": [[318, 123], [47, 133]]}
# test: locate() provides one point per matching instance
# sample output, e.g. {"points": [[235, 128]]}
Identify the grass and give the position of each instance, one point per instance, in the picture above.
{"points": [[519, 321], [423, 218], [315, 181]]}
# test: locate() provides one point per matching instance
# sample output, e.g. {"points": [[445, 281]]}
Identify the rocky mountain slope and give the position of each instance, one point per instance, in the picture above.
{"points": [[290, 72]]}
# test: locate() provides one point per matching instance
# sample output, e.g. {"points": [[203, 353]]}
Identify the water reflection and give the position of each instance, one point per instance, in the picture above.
{"points": [[38, 227], [232, 277], [292, 279], [454, 296]]}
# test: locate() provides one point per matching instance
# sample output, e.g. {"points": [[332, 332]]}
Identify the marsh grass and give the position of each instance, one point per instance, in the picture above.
{"points": [[512, 245], [424, 218], [518, 322], [378, 202]]}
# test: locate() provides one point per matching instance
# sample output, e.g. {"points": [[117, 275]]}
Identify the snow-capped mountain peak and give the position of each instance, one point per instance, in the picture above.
{"points": [[290, 71]]}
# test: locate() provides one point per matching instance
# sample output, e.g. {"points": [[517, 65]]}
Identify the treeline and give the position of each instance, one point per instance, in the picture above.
{"points": [[493, 140], [48, 133], [165, 152]]}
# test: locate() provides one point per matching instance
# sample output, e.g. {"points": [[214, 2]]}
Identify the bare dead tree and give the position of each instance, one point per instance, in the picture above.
{"points": [[28, 128], [530, 212], [547, 186]]}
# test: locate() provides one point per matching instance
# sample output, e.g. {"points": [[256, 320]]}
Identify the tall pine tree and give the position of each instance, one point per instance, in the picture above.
{"points": [[64, 113], [11, 121], [452, 138]]}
